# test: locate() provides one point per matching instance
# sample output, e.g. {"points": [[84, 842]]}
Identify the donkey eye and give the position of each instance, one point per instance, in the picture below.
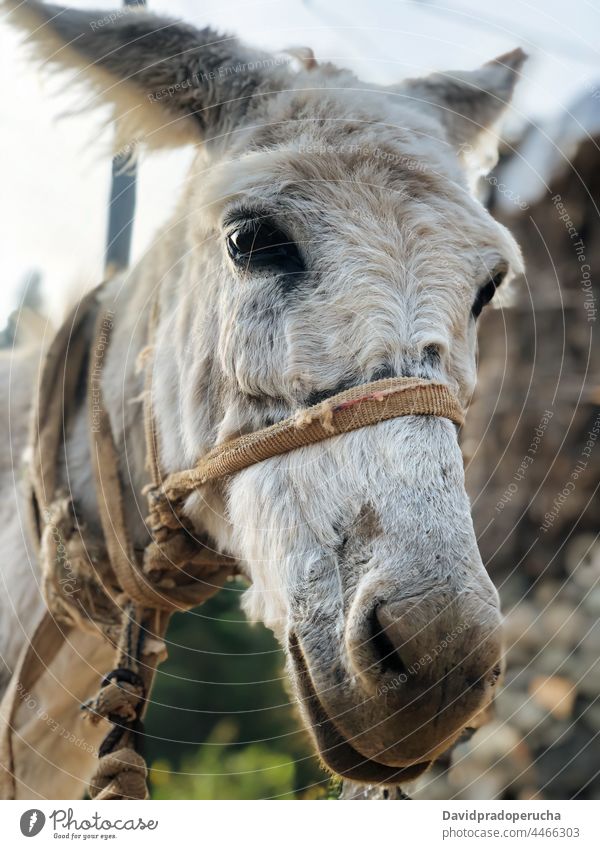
{"points": [[487, 292], [260, 245]]}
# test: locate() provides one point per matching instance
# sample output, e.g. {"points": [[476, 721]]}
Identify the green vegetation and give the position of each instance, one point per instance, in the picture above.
{"points": [[220, 725]]}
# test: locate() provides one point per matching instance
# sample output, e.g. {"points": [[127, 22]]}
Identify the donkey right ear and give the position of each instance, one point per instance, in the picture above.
{"points": [[469, 104], [168, 83]]}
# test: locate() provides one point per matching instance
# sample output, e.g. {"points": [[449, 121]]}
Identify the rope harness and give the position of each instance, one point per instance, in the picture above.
{"points": [[129, 594]]}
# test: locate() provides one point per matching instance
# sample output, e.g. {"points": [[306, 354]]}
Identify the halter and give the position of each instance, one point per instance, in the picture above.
{"points": [[361, 406]]}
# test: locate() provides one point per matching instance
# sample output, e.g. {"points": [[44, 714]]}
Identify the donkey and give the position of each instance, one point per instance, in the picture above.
{"points": [[328, 235]]}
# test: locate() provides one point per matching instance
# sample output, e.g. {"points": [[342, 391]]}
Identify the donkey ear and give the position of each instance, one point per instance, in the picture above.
{"points": [[470, 104], [168, 83]]}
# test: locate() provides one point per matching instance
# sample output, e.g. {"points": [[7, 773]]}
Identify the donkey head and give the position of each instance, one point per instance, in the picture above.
{"points": [[327, 237]]}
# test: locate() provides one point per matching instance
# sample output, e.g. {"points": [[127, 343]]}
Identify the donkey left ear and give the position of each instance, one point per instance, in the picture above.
{"points": [[469, 104], [166, 82]]}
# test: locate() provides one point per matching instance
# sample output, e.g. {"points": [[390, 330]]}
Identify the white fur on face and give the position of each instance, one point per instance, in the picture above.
{"points": [[291, 514]]}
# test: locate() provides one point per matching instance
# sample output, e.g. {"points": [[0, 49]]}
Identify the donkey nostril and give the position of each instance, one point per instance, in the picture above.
{"points": [[387, 655]]}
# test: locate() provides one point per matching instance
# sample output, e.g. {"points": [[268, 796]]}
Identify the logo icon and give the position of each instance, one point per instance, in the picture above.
{"points": [[32, 822]]}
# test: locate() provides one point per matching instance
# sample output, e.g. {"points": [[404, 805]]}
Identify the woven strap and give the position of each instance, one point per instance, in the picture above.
{"points": [[178, 573], [361, 406]]}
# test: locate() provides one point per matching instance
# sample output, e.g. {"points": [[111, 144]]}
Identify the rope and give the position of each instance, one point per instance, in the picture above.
{"points": [[57, 389], [149, 421], [355, 408], [121, 772], [120, 775]]}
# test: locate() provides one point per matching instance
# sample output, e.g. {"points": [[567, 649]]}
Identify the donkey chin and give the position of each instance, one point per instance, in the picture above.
{"points": [[363, 561]]}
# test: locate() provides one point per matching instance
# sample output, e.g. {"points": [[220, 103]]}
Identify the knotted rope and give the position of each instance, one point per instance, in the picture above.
{"points": [[120, 775], [122, 771]]}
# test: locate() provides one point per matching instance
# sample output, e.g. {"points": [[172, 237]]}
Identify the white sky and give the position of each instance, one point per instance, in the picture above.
{"points": [[55, 175]]}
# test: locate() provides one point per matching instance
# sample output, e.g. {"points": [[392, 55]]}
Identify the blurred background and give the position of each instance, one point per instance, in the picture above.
{"points": [[221, 725]]}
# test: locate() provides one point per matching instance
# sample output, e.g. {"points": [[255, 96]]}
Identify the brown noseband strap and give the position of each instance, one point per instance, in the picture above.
{"points": [[350, 410]]}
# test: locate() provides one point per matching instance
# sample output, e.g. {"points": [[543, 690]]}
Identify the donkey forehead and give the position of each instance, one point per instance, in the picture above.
{"points": [[373, 196], [342, 133], [340, 118]]}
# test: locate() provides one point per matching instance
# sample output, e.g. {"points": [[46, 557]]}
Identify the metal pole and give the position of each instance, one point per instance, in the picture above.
{"points": [[121, 208]]}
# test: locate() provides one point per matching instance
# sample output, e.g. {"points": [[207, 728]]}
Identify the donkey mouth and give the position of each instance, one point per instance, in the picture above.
{"points": [[334, 749]]}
